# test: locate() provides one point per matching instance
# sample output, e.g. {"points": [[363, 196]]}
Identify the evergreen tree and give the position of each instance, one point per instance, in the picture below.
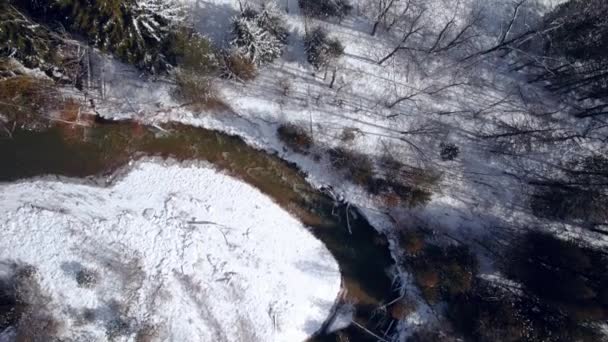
{"points": [[271, 20], [259, 35], [21, 38], [320, 49], [136, 32]]}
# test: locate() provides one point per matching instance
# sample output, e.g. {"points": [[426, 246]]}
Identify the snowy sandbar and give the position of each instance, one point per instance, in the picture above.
{"points": [[196, 254]]}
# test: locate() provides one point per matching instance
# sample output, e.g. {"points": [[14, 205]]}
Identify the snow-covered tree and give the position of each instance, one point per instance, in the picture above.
{"points": [[271, 19], [259, 35], [136, 31], [322, 50], [20, 38]]}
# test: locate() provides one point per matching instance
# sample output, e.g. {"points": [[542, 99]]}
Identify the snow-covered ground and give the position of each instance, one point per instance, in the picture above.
{"points": [[189, 251], [484, 188]]}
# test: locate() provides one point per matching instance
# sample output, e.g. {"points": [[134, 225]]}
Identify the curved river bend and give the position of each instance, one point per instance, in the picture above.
{"points": [[363, 256]]}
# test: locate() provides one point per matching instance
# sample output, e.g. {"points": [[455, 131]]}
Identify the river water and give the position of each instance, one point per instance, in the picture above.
{"points": [[102, 148]]}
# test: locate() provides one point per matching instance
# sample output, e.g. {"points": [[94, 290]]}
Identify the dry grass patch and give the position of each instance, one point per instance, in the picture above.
{"points": [[358, 167], [25, 99], [197, 91], [239, 67]]}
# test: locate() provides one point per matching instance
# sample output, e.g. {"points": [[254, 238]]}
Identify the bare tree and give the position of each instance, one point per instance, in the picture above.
{"points": [[414, 27], [384, 7], [460, 35], [429, 91]]}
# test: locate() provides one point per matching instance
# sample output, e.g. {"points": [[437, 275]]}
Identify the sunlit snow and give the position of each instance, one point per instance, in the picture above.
{"points": [[195, 253]]}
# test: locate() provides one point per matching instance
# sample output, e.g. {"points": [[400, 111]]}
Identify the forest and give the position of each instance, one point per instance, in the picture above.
{"points": [[472, 135]]}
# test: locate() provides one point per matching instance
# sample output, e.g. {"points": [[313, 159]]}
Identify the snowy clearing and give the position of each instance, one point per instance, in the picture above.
{"points": [[185, 251]]}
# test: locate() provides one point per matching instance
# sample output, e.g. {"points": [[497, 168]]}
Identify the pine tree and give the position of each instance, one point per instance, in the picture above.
{"points": [[259, 35], [136, 31], [271, 19], [320, 49], [21, 38]]}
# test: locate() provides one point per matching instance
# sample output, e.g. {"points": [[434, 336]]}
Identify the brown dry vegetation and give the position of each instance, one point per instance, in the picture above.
{"points": [[358, 167], [412, 242], [198, 92], [402, 308], [441, 272], [37, 104], [295, 137], [239, 67], [147, 333], [25, 99]]}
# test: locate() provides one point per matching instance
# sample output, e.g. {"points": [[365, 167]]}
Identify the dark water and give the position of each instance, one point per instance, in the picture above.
{"points": [[98, 150]]}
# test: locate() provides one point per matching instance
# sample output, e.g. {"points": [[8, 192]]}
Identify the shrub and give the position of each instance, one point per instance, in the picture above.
{"points": [[8, 68], [321, 51], [413, 186], [325, 8], [348, 134], [284, 85], [25, 307], [116, 328], [427, 278], [295, 137], [412, 242], [194, 89], [239, 67], [88, 315], [402, 308], [487, 314], [448, 151], [339, 158], [147, 333], [411, 196], [87, 278], [24, 100], [443, 272], [359, 167]]}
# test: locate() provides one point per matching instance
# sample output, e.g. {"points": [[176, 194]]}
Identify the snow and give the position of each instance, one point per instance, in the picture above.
{"points": [[184, 248], [480, 191]]}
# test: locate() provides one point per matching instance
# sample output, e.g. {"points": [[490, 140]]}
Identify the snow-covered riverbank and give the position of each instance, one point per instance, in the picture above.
{"points": [[189, 251]]}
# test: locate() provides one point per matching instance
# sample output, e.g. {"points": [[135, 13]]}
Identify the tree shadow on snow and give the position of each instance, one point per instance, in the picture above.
{"points": [[213, 20]]}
